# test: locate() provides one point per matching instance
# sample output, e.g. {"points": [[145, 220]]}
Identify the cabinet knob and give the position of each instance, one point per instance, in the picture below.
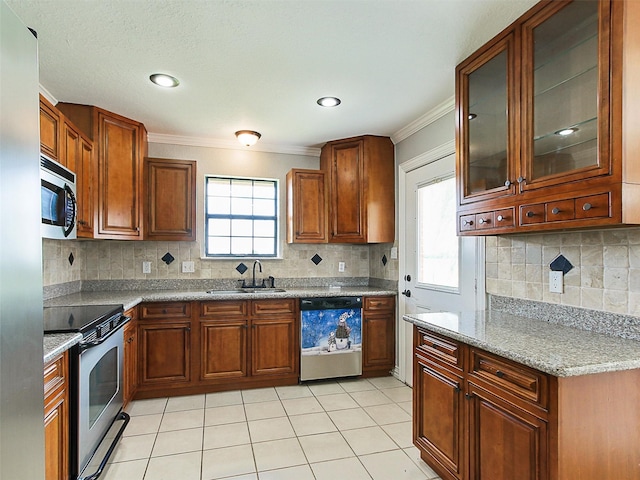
{"points": [[456, 389], [507, 183], [530, 214], [555, 211], [434, 345], [483, 220], [500, 218], [468, 222], [499, 373], [468, 396], [586, 207], [521, 179]]}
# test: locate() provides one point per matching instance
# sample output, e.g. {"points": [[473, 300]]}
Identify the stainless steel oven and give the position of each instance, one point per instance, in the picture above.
{"points": [[97, 368]]}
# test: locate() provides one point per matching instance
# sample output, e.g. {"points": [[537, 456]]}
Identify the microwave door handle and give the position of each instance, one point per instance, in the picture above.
{"points": [[70, 202]]}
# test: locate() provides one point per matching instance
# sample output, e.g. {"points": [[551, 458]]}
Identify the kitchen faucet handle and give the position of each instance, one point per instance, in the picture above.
{"points": [[272, 282]]}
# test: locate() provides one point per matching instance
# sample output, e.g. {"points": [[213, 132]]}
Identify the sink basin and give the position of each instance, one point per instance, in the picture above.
{"points": [[246, 290]]}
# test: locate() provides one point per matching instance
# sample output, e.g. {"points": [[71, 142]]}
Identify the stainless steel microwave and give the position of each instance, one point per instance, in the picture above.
{"points": [[58, 198]]}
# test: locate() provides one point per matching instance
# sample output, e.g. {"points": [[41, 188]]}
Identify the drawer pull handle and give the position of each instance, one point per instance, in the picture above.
{"points": [[468, 222], [483, 220], [586, 207], [530, 214], [434, 345], [555, 211], [499, 373], [500, 218]]}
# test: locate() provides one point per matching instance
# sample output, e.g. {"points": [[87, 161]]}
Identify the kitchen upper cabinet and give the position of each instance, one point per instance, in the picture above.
{"points": [[378, 336], [545, 138], [361, 177], [307, 210], [121, 145], [50, 129], [170, 199], [56, 418]]}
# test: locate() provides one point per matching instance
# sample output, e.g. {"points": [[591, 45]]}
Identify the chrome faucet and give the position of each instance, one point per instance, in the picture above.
{"points": [[257, 262]]}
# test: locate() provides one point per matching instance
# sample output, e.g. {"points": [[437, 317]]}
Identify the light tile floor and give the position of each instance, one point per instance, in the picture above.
{"points": [[354, 429]]}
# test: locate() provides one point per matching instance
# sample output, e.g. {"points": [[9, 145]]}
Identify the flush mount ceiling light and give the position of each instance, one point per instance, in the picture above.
{"points": [[329, 101], [247, 137], [164, 80], [566, 131]]}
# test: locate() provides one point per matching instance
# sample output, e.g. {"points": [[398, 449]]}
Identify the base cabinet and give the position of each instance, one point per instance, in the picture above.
{"points": [[56, 418], [477, 415], [378, 336], [130, 356]]}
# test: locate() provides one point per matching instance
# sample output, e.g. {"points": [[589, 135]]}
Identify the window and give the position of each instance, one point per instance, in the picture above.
{"points": [[241, 217]]}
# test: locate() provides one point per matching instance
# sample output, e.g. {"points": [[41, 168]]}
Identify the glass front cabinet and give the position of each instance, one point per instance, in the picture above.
{"points": [[547, 133]]}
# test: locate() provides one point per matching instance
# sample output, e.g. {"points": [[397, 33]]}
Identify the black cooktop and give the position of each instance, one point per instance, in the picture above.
{"points": [[78, 318]]}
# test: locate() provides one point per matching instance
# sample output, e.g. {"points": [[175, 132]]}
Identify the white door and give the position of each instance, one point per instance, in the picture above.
{"points": [[439, 270]]}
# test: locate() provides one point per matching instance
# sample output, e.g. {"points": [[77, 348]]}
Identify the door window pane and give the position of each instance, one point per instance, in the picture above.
{"points": [[437, 243]]}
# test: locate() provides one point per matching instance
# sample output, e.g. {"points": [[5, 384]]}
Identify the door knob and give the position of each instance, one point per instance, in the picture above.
{"points": [[406, 293]]}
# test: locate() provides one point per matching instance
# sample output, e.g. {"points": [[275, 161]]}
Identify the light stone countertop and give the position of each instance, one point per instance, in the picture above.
{"points": [[57, 343], [555, 349], [54, 344]]}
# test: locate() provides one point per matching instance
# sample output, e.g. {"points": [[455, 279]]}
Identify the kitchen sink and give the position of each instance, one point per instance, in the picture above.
{"points": [[246, 290]]}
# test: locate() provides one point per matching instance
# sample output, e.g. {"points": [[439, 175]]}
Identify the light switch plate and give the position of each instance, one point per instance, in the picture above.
{"points": [[341, 266], [188, 267], [146, 267], [556, 282], [394, 253]]}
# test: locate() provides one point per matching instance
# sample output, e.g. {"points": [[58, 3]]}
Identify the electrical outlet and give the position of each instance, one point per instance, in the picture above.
{"points": [[394, 253], [146, 267], [188, 267], [555, 282], [341, 266]]}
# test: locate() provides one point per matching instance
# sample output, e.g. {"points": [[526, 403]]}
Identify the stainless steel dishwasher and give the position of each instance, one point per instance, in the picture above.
{"points": [[331, 337]]}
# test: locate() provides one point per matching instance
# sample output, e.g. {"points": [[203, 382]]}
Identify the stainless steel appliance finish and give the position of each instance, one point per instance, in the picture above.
{"points": [[97, 368], [331, 337], [58, 200], [21, 352]]}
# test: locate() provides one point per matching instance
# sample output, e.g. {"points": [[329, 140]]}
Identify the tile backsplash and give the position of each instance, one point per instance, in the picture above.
{"points": [[117, 260], [605, 274]]}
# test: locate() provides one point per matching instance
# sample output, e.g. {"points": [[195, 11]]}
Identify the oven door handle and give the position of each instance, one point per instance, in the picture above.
{"points": [[87, 345], [121, 416]]}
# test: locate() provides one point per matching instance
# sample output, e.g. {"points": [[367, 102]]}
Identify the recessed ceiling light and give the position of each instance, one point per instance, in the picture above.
{"points": [[329, 101], [566, 131], [164, 80]]}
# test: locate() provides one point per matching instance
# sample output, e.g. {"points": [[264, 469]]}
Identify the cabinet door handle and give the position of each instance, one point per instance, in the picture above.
{"points": [[507, 183], [530, 214], [521, 179], [456, 389], [434, 345], [499, 373], [188, 329], [586, 207], [468, 396], [555, 211]]}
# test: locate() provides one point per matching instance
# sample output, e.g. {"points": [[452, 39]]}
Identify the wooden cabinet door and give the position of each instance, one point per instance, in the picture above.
{"points": [[165, 352], [223, 348], [56, 419], [85, 189], [274, 346], [50, 133], [378, 342], [119, 177], [130, 358], [347, 217], [438, 418], [171, 199], [505, 442], [306, 206], [71, 153]]}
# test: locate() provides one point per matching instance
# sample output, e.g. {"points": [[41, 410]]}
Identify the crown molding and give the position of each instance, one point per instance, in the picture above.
{"points": [[231, 144], [431, 116], [47, 94]]}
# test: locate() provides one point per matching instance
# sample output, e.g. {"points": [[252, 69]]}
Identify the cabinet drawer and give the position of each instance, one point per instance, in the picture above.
{"points": [[441, 348], [152, 311], [379, 303], [514, 378], [531, 214], [54, 374], [560, 211], [223, 309], [504, 218], [467, 223], [271, 307], [593, 206], [484, 220]]}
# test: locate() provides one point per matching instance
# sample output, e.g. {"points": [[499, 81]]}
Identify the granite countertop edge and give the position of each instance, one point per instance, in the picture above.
{"points": [[536, 360], [57, 343]]}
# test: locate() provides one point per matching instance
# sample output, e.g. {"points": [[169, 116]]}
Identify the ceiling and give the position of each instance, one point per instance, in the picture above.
{"points": [[261, 64]]}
